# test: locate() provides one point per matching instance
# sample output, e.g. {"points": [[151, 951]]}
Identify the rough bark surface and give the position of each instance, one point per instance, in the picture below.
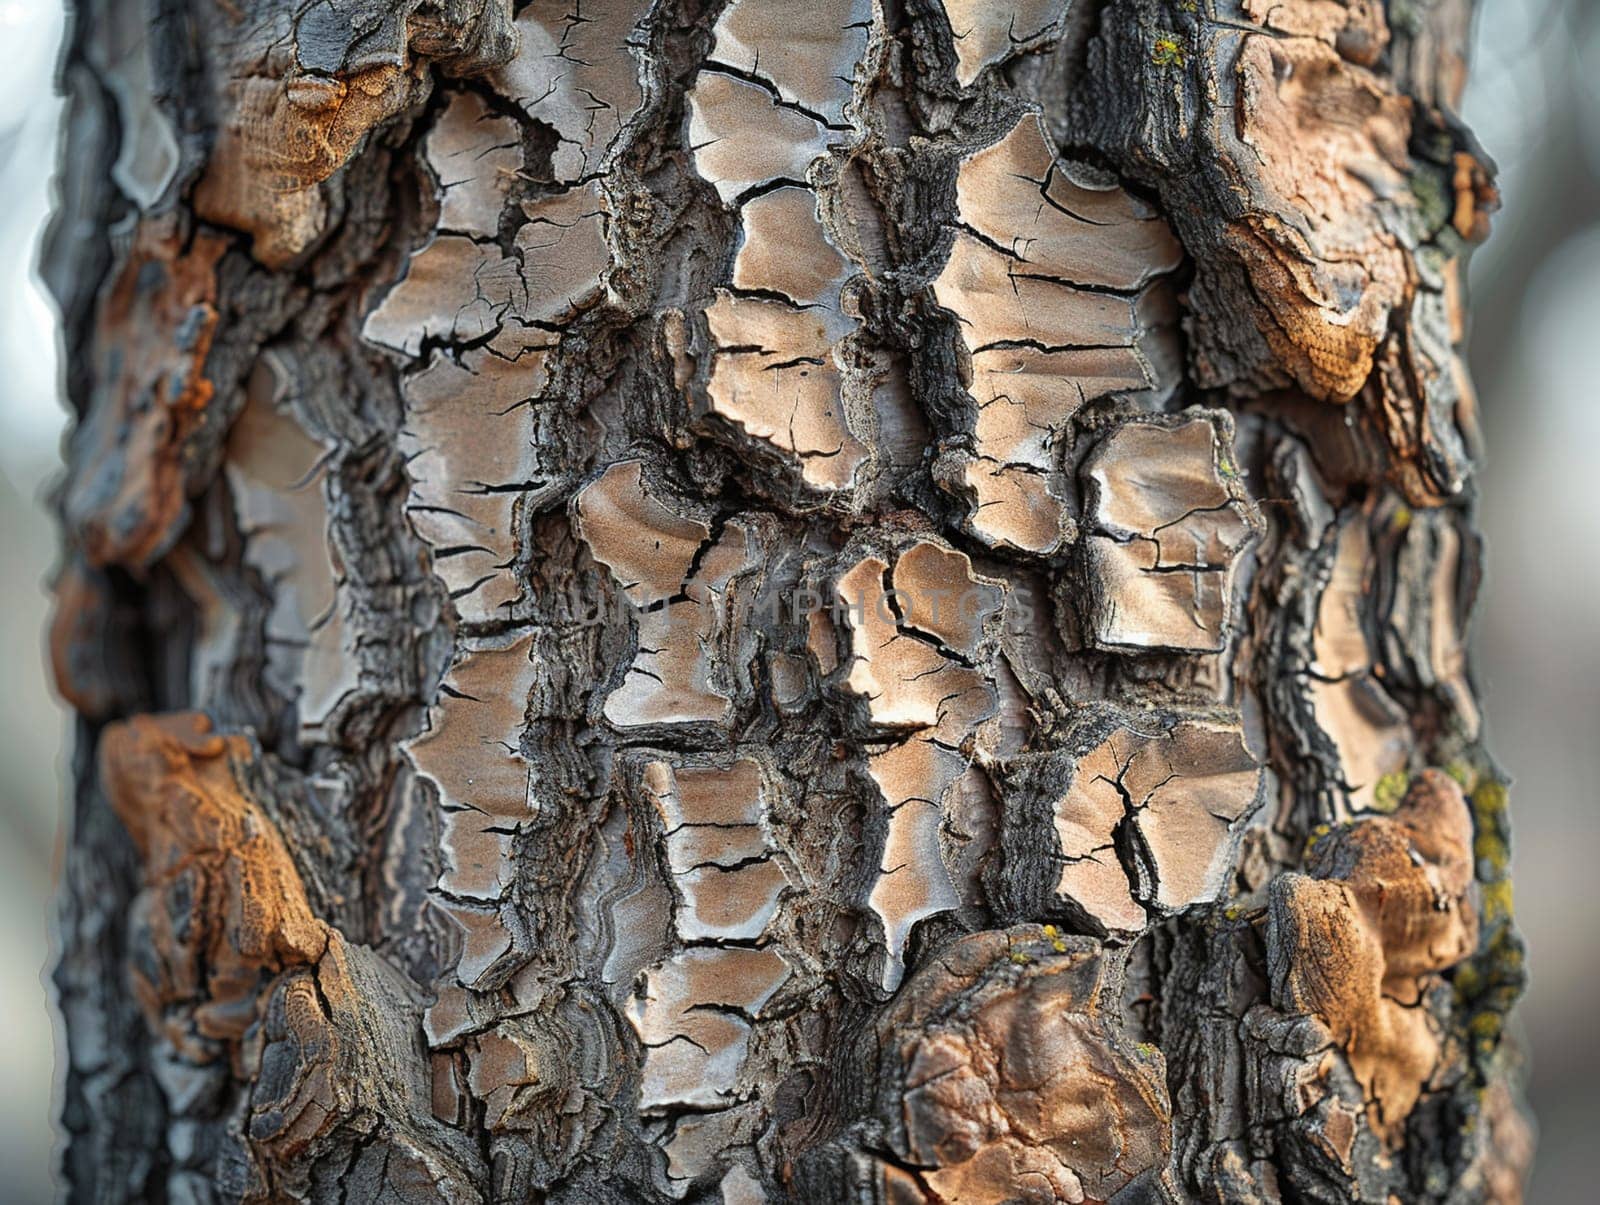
{"points": [[758, 601]]}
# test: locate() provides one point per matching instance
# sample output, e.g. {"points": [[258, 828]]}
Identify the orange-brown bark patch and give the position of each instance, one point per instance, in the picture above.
{"points": [[1012, 1072], [223, 906], [79, 630], [283, 137], [1327, 270], [155, 328], [1384, 906]]}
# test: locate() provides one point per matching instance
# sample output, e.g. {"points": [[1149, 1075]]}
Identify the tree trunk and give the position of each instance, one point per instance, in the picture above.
{"points": [[776, 602]]}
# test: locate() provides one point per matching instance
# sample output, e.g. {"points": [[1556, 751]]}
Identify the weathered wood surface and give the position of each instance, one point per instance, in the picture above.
{"points": [[847, 601]]}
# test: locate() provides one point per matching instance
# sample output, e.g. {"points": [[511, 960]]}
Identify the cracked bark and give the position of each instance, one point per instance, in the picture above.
{"points": [[670, 602]]}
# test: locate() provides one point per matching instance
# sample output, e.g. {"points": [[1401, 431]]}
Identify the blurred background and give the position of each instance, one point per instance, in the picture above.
{"points": [[1534, 101]]}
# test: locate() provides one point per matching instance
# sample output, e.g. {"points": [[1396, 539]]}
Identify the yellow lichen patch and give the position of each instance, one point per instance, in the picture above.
{"points": [[1313, 837], [1167, 51], [1389, 791], [1492, 848], [1489, 800], [1497, 901]]}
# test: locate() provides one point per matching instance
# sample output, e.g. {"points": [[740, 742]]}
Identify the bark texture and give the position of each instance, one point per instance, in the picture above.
{"points": [[859, 600]]}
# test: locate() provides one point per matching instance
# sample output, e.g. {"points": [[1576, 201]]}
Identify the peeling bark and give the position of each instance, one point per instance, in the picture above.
{"points": [[676, 601]]}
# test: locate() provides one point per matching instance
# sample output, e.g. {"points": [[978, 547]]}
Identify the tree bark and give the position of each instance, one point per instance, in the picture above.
{"points": [[848, 601]]}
